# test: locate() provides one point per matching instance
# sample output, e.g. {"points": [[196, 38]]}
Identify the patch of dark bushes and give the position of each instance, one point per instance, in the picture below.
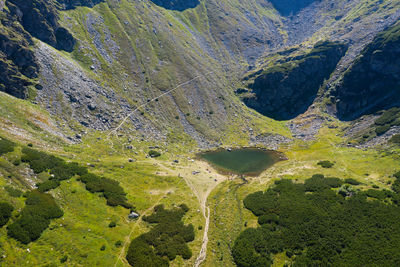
{"points": [[166, 240], [111, 189], [378, 194], [5, 213], [352, 181], [323, 228], [14, 192], [6, 146], [39, 209], [395, 139], [326, 164], [48, 185], [318, 182], [39, 161], [64, 259], [388, 119], [17, 162], [382, 129], [396, 188], [154, 154], [61, 170]]}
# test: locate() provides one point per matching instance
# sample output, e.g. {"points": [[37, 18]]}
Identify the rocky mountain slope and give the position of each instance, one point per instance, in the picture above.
{"points": [[95, 89], [286, 90], [372, 83], [93, 63]]}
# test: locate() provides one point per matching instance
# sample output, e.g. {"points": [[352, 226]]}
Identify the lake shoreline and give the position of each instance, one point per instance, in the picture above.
{"points": [[275, 157]]}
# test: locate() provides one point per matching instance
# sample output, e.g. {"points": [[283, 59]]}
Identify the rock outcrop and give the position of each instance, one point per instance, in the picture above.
{"points": [[17, 61], [39, 18], [372, 83], [21, 21], [286, 90]]}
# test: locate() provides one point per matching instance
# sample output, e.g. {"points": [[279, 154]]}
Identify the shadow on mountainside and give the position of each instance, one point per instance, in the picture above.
{"points": [[290, 7], [179, 5]]}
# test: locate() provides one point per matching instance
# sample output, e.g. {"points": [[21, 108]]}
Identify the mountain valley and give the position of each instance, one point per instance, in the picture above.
{"points": [[106, 107]]}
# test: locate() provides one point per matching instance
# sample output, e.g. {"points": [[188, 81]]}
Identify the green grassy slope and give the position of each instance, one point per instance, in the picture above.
{"points": [[157, 50]]}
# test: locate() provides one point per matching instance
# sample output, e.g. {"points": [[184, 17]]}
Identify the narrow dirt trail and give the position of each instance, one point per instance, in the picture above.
{"points": [[154, 99], [203, 252], [201, 195], [136, 223]]}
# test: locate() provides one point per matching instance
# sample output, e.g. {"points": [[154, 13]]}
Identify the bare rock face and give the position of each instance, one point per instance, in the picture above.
{"points": [[17, 61], [285, 91], [372, 83], [39, 18]]}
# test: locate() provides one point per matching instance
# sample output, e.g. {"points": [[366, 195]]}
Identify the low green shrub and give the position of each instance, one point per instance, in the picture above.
{"points": [[39, 161], [352, 181], [61, 170], [39, 209], [64, 259], [112, 224], [326, 164], [5, 213], [154, 154], [6, 146], [17, 162], [387, 117], [48, 185], [395, 139], [111, 189], [14, 192], [65, 171], [396, 183], [319, 182], [382, 129], [268, 218], [378, 194], [322, 228], [167, 239]]}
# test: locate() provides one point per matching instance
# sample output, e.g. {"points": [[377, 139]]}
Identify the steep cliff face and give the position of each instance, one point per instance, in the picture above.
{"points": [[18, 64], [286, 90], [40, 19], [372, 83], [21, 20]]}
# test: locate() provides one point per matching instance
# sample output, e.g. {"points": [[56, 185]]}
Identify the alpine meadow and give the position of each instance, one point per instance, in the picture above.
{"points": [[200, 133]]}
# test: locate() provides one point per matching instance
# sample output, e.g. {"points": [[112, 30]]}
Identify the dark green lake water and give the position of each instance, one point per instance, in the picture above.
{"points": [[247, 161]]}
